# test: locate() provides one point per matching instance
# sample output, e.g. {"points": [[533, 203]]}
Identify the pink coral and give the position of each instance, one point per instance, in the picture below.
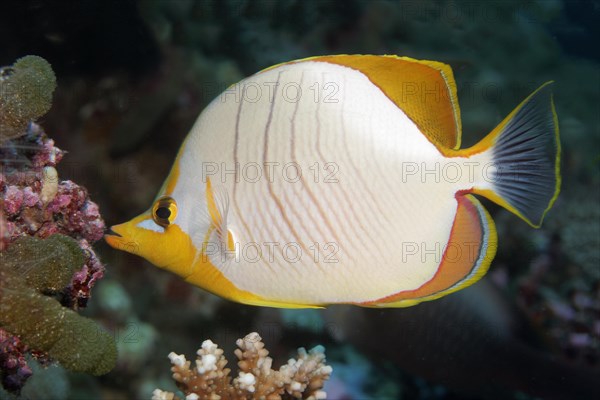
{"points": [[33, 202], [13, 366], [75, 214], [30, 198], [70, 211], [48, 154], [13, 200], [84, 279]]}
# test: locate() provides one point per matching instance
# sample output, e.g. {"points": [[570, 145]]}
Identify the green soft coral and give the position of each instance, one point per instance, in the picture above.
{"points": [[25, 94], [31, 270]]}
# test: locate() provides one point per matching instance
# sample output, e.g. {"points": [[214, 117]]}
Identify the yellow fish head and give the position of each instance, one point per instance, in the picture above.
{"points": [[155, 236]]}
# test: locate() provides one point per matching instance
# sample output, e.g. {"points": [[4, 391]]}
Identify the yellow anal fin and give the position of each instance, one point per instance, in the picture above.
{"points": [[469, 252], [276, 304], [211, 279]]}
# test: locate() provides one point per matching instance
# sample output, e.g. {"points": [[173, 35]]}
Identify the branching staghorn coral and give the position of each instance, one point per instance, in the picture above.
{"points": [[301, 378], [32, 272], [25, 94]]}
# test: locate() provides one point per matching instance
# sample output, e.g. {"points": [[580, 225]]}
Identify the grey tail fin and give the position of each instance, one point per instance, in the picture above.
{"points": [[525, 151]]}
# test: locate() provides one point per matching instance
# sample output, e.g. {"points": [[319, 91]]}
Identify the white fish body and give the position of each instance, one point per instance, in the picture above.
{"points": [[308, 184]]}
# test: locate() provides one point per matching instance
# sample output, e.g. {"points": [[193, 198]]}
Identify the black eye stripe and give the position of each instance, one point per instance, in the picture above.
{"points": [[164, 211]]}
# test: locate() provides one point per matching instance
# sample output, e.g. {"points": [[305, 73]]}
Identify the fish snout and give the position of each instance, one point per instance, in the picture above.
{"points": [[118, 238]]}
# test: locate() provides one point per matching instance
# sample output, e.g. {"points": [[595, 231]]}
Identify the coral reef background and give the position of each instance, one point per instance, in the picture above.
{"points": [[132, 76]]}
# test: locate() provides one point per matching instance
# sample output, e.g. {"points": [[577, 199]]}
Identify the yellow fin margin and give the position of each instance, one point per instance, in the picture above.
{"points": [[424, 90], [473, 270]]}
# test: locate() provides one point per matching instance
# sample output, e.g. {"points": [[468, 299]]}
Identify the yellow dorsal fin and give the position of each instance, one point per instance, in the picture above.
{"points": [[424, 90]]}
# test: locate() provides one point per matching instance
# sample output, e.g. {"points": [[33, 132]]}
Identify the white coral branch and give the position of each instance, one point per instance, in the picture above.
{"points": [[303, 377]]}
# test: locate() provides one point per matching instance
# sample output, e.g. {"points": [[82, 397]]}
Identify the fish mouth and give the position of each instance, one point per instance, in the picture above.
{"points": [[114, 238], [111, 232], [118, 237]]}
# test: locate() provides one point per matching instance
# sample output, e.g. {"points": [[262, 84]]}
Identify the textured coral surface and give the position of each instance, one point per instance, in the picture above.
{"points": [[26, 89], [35, 272], [301, 378], [133, 77], [46, 275]]}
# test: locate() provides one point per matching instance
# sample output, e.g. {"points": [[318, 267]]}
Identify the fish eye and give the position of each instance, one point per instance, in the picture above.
{"points": [[164, 211]]}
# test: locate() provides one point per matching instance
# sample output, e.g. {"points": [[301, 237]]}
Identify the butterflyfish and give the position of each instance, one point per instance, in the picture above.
{"points": [[341, 179]]}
